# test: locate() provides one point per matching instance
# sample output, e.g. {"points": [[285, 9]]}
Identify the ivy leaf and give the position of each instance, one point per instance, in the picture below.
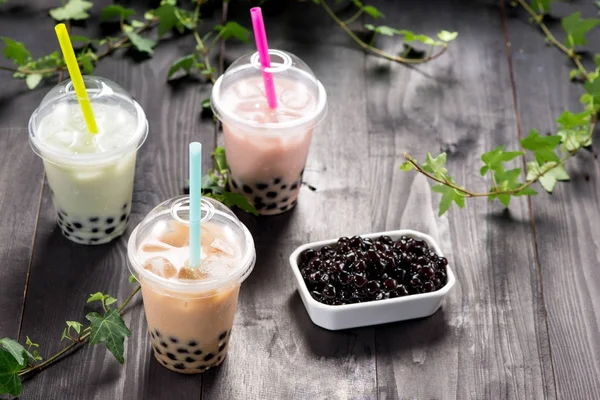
{"points": [[16, 51], [167, 19], [9, 374], [541, 6], [552, 172], [449, 195], [382, 29], [541, 146], [446, 36], [98, 296], [15, 349], [80, 38], [185, 63], [32, 80], [577, 27], [74, 9], [505, 180], [496, 158], [137, 24], [75, 325], [435, 165], [573, 130], [234, 29], [110, 300], [527, 191], [205, 104], [142, 44], [372, 11], [109, 329], [410, 36], [29, 343], [115, 11], [220, 157], [406, 166], [234, 200], [593, 90], [132, 279]]}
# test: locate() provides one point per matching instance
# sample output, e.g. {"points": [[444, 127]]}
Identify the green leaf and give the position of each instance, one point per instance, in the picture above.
{"points": [[109, 329], [577, 27], [80, 38], [220, 158], [435, 165], [132, 279], [206, 104], [86, 62], [9, 374], [568, 120], [115, 11], [15, 349], [496, 158], [74, 9], [542, 146], [16, 51], [233, 29], [185, 63], [29, 343], [550, 172], [406, 166], [36, 356], [32, 80], [541, 6], [142, 44], [98, 296], [575, 74], [446, 36], [235, 200], [382, 30], [137, 24], [167, 19], [413, 37], [373, 12], [574, 130], [449, 195], [597, 58], [527, 191], [75, 325], [110, 300], [593, 90], [65, 335]]}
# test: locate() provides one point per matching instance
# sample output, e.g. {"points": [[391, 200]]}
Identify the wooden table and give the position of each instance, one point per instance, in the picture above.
{"points": [[523, 320]]}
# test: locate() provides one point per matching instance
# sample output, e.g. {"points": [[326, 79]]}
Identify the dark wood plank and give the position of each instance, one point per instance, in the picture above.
{"points": [[276, 352], [489, 339], [63, 274], [566, 232]]}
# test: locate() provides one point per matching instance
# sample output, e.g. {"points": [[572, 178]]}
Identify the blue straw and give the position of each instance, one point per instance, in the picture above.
{"points": [[195, 202]]}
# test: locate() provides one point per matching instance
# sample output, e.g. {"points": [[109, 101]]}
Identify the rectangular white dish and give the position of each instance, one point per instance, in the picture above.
{"points": [[336, 317]]}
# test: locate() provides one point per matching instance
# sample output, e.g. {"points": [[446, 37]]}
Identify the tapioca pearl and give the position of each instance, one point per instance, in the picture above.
{"points": [[285, 199], [108, 231], [123, 217], [157, 332], [223, 335], [63, 213], [283, 208], [152, 334], [272, 206], [94, 240], [69, 229], [222, 346], [156, 349], [93, 220], [247, 189], [110, 220], [294, 186], [77, 225], [95, 230], [198, 352], [277, 181], [172, 356], [182, 350], [219, 358], [173, 339], [259, 206], [258, 199], [192, 343], [190, 359], [179, 366], [164, 344], [294, 203], [67, 234], [261, 186], [283, 187], [209, 357], [163, 362], [201, 368], [78, 238], [271, 195]]}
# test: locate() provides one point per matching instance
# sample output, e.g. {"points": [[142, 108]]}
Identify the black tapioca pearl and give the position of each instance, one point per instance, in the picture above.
{"points": [[123, 217], [294, 203], [285, 199], [259, 206], [77, 225], [164, 344], [95, 230], [110, 220], [201, 368], [294, 186], [219, 358], [78, 238], [222, 347], [156, 349], [272, 206], [94, 240], [223, 335], [192, 343], [127, 219], [271, 195], [247, 189], [60, 217], [182, 350], [124, 206], [277, 181], [108, 231], [94, 219], [67, 234], [152, 334], [283, 208], [261, 186], [258, 199], [283, 187], [190, 359], [234, 183], [61, 212], [173, 340], [198, 352], [163, 362], [209, 357], [179, 366], [157, 333], [69, 229], [171, 356]]}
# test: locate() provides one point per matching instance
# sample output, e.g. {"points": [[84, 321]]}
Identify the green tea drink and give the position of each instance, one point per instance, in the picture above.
{"points": [[90, 175]]}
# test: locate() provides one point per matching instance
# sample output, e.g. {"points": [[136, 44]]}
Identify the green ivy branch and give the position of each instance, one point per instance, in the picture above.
{"points": [[549, 153]]}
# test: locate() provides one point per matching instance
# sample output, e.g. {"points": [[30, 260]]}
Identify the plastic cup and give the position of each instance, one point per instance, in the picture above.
{"points": [[190, 312], [267, 148], [90, 175]]}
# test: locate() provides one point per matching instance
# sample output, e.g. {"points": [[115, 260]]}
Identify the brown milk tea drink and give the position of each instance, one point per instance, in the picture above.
{"points": [[190, 311], [267, 148]]}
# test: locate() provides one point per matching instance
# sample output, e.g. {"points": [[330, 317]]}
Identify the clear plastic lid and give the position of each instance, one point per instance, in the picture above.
{"points": [[238, 96], [57, 129], [228, 254]]}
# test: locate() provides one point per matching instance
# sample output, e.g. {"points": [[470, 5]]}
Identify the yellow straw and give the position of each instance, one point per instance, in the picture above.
{"points": [[67, 49]]}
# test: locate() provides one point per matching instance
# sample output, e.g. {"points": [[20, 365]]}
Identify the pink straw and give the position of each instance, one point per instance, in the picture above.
{"points": [[263, 51]]}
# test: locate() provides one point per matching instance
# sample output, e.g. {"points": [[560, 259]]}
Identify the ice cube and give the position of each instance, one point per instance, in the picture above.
{"points": [[294, 99], [177, 235], [154, 247], [192, 273], [222, 246], [248, 90], [160, 266]]}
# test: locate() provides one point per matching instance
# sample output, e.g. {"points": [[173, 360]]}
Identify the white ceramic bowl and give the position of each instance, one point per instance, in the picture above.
{"points": [[377, 311]]}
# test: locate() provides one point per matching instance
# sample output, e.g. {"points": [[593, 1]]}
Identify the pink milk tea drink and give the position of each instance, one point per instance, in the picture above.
{"points": [[190, 311], [267, 148]]}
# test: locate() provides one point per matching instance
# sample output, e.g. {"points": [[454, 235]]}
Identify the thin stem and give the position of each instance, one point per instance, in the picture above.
{"points": [[354, 17], [128, 299], [9, 69], [204, 52], [376, 50]]}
